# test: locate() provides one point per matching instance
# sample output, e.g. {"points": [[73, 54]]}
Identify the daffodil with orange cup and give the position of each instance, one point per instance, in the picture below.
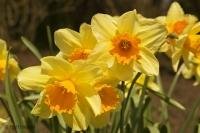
{"points": [[65, 89], [128, 43], [178, 25]]}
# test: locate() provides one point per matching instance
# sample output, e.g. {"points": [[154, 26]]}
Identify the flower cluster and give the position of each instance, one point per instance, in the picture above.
{"points": [[80, 83]]}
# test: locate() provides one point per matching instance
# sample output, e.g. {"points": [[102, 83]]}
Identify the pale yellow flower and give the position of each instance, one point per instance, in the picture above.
{"points": [[178, 25], [128, 43], [73, 45], [111, 98], [13, 67], [65, 89]]}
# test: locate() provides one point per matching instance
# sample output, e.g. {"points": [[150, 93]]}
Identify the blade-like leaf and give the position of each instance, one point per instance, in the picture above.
{"points": [[31, 47], [12, 102], [168, 100]]}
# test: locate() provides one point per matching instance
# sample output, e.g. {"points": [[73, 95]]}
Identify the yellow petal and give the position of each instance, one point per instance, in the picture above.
{"points": [[32, 79], [95, 103], [151, 33], [161, 19], [195, 29], [191, 22], [41, 109], [147, 63], [188, 72], [13, 68], [78, 120], [3, 121], [126, 23], [57, 67], [87, 38], [122, 72], [103, 26], [3, 52], [67, 40], [85, 73], [176, 56], [175, 12]]}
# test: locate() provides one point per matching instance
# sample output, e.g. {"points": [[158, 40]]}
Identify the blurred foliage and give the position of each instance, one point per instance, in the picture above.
{"points": [[30, 17]]}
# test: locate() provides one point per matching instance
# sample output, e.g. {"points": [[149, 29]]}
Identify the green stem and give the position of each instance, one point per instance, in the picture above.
{"points": [[12, 102], [125, 103], [175, 79], [164, 105], [122, 110], [140, 105], [131, 89]]}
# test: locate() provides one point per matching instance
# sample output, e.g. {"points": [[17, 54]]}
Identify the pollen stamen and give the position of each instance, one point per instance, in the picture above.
{"points": [[125, 48], [79, 54]]}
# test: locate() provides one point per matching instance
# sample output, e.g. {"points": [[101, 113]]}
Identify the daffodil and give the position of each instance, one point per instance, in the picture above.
{"points": [[65, 89], [106, 86], [178, 25], [128, 43], [13, 67], [73, 45]]}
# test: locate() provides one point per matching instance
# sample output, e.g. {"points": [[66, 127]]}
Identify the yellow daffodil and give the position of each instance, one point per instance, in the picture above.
{"points": [[178, 25], [65, 89], [73, 45], [128, 43], [111, 97], [13, 67]]}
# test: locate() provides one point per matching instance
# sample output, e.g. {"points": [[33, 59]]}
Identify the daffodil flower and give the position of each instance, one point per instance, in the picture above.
{"points": [[178, 25], [128, 43], [13, 67], [190, 48], [73, 45], [65, 89], [111, 97]]}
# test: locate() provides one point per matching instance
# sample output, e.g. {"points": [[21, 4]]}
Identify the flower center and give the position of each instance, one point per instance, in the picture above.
{"points": [[109, 97], [178, 27], [192, 44], [61, 96], [79, 54], [125, 48]]}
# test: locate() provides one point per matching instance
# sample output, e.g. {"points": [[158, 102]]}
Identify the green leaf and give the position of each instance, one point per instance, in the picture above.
{"points": [[198, 128], [31, 47], [32, 97], [168, 100], [50, 40], [12, 101], [154, 128]]}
